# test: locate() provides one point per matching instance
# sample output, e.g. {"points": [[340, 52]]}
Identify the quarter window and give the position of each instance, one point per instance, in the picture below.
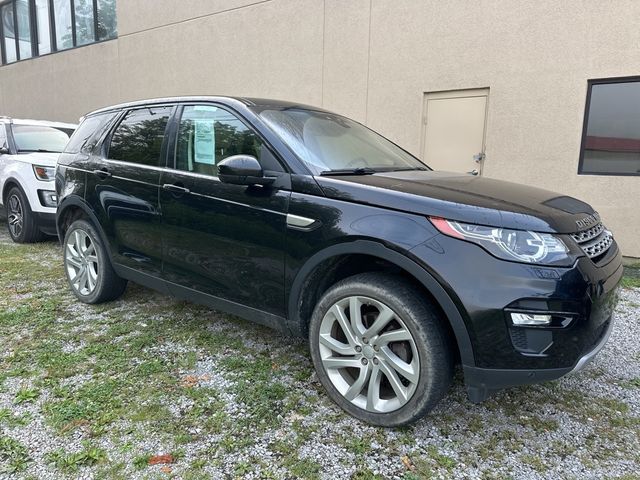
{"points": [[611, 138], [208, 134], [139, 137], [85, 137]]}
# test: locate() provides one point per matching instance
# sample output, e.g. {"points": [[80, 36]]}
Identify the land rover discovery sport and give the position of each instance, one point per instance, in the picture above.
{"points": [[309, 222]]}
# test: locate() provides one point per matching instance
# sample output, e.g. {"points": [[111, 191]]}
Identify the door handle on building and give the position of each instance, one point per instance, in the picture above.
{"points": [[474, 172]]}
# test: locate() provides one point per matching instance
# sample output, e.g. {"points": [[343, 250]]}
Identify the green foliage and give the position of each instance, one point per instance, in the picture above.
{"points": [[26, 395], [630, 282], [142, 461], [14, 456], [71, 462]]}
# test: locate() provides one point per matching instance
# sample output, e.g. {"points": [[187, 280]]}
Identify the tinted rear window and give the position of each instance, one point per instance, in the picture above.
{"points": [[138, 138]]}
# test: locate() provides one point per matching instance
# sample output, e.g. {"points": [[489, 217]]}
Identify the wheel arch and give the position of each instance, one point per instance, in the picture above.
{"points": [[9, 183], [314, 267], [72, 208]]}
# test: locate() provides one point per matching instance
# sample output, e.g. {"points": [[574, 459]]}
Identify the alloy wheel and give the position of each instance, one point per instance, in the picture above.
{"points": [[81, 261], [15, 216], [369, 354]]}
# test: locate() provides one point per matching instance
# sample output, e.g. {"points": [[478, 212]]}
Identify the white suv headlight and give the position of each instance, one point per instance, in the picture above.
{"points": [[515, 245], [44, 173]]}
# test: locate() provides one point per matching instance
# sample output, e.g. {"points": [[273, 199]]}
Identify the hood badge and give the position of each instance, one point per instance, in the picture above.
{"points": [[588, 221]]}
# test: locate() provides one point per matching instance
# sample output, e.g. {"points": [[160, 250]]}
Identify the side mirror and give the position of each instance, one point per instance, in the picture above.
{"points": [[4, 150], [242, 170]]}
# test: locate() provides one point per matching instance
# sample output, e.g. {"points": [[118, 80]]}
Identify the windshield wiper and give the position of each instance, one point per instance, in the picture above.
{"points": [[350, 171], [39, 150], [408, 169]]}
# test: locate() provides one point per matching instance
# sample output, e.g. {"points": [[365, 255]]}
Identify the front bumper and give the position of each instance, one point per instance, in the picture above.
{"points": [[487, 289], [482, 382], [46, 222]]}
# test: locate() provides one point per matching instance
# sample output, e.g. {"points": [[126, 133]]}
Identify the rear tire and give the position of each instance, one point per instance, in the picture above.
{"points": [[380, 349], [87, 265], [20, 219]]}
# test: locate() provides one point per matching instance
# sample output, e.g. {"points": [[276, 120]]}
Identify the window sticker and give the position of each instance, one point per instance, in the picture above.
{"points": [[205, 108], [204, 142]]}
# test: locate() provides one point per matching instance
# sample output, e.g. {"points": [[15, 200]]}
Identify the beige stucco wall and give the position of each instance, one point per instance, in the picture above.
{"points": [[372, 60]]}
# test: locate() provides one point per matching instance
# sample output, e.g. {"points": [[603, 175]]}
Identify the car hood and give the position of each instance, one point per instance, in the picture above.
{"points": [[465, 198], [39, 158]]}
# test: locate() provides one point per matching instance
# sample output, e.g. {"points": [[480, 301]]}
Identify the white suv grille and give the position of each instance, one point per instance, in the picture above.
{"points": [[594, 241]]}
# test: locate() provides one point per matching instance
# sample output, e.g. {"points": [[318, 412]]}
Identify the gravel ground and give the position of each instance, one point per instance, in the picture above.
{"points": [[99, 392]]}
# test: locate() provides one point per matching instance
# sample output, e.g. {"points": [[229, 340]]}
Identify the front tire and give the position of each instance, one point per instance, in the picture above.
{"points": [[20, 219], [380, 349], [87, 265]]}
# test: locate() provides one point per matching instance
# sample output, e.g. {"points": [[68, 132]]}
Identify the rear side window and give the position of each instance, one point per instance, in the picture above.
{"points": [[139, 137], [86, 136]]}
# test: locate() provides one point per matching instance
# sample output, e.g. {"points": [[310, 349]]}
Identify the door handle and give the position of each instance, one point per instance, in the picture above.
{"points": [[474, 172], [102, 173], [175, 188]]}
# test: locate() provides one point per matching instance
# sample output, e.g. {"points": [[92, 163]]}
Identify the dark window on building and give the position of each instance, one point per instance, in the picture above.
{"points": [[85, 22], [107, 20], [43, 25], [611, 137], [37, 27], [23, 17], [138, 138], [9, 50], [62, 24]]}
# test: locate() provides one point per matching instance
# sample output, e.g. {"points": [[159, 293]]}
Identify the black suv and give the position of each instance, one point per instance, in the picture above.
{"points": [[306, 221]]}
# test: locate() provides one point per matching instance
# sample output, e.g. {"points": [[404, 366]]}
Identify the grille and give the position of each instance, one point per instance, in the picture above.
{"points": [[594, 241], [587, 235], [519, 338]]}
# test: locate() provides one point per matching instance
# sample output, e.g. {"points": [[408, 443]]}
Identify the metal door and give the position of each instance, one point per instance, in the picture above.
{"points": [[454, 130]]}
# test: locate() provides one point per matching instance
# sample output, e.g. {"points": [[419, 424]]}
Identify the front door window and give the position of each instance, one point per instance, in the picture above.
{"points": [[209, 134]]}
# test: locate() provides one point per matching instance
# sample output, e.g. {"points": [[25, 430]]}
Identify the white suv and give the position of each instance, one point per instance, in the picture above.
{"points": [[29, 150]]}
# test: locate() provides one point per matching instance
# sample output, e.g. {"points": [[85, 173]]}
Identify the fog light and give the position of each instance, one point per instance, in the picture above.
{"points": [[533, 319], [48, 198]]}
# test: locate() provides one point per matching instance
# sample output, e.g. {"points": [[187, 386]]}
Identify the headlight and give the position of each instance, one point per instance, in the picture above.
{"points": [[514, 245], [44, 173]]}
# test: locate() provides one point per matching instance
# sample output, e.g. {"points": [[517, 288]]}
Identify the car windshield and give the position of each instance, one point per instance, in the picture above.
{"points": [[40, 138], [329, 143]]}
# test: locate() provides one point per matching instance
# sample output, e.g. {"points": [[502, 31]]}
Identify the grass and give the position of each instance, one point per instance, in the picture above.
{"points": [[14, 456], [630, 282], [117, 384], [71, 462], [25, 395]]}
